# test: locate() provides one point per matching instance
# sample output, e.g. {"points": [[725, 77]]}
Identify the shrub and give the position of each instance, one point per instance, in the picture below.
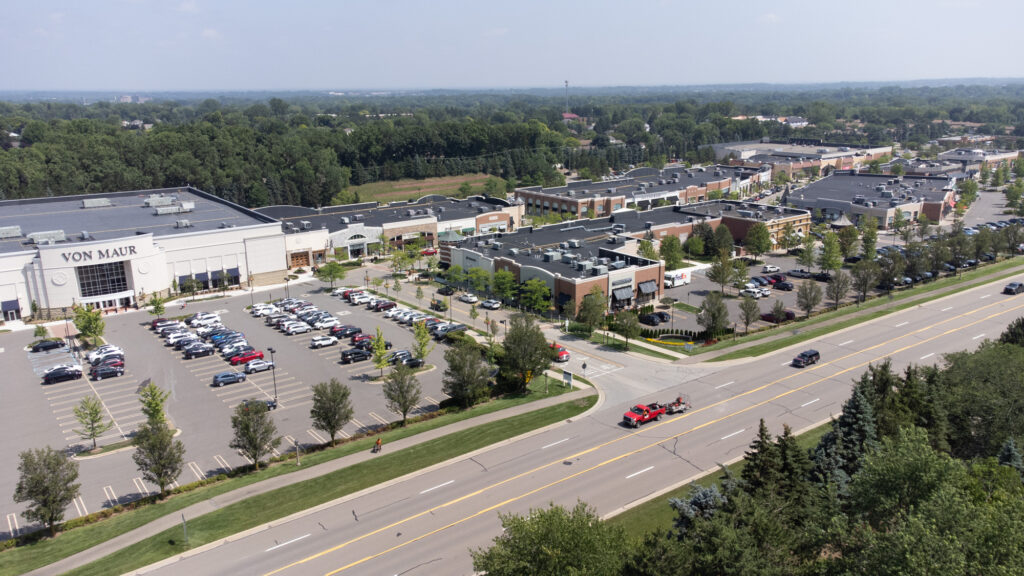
{"points": [[580, 329]]}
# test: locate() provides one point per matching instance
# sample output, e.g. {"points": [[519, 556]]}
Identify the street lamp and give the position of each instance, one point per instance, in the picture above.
{"points": [[67, 332], [273, 371], [287, 292], [366, 280]]}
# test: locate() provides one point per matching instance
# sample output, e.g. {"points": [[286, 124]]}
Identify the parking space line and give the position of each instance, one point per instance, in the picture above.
{"points": [[378, 418], [196, 470], [222, 463], [12, 524], [359, 425], [431, 400], [80, 506], [108, 493], [246, 458], [140, 486], [316, 436], [344, 434]]}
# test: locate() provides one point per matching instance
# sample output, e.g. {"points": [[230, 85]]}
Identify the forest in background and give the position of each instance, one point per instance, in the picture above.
{"points": [[309, 150]]}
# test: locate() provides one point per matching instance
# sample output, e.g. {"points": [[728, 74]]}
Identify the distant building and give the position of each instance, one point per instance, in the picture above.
{"points": [[967, 156], [798, 155]]}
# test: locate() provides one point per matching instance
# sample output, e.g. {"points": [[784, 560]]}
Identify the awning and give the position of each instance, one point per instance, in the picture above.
{"points": [[202, 276], [622, 293], [215, 274], [649, 287], [9, 305], [181, 280], [233, 272]]}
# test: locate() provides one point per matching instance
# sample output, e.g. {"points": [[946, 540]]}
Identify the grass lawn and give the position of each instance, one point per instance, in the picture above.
{"points": [[686, 307], [656, 514], [25, 558], [410, 189], [616, 344], [289, 499]]}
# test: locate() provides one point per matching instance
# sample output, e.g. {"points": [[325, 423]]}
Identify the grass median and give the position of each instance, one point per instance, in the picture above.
{"points": [[656, 514], [616, 344], [289, 499], [36, 555]]}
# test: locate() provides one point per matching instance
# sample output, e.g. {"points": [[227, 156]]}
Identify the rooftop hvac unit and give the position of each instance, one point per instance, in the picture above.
{"points": [[571, 193], [440, 208], [225, 225], [187, 206], [648, 225], [604, 261], [344, 220], [599, 270], [85, 235], [568, 257], [358, 217], [496, 246], [550, 256], [306, 224], [163, 210], [574, 243], [481, 209], [513, 251], [96, 202], [10, 232], [155, 200], [617, 265], [182, 224], [49, 236], [563, 245], [410, 213]]}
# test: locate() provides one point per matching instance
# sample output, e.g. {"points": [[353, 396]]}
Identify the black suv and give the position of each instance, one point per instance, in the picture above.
{"points": [[806, 358], [368, 345], [47, 345], [199, 351], [650, 319], [355, 355], [1013, 288], [61, 374], [446, 290], [101, 372]]}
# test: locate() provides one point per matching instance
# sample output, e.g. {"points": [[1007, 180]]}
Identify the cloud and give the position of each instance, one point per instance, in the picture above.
{"points": [[769, 19], [189, 6], [210, 34]]}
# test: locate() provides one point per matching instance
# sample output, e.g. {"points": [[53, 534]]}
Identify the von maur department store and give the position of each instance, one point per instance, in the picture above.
{"points": [[107, 252]]}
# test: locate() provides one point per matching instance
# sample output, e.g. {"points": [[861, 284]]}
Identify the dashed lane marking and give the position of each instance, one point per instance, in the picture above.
{"points": [[639, 472]]}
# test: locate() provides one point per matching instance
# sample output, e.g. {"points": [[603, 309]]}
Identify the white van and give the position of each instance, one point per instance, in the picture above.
{"points": [[675, 278]]}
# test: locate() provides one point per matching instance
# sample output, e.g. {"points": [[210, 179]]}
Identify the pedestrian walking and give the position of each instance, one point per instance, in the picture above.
{"points": [[376, 447]]}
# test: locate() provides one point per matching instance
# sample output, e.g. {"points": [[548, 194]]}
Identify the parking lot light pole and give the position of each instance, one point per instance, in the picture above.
{"points": [[287, 292], [67, 332], [273, 371]]}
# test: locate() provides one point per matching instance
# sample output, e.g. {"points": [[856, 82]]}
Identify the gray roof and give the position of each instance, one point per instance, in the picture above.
{"points": [[374, 214], [125, 215], [845, 186], [646, 181]]}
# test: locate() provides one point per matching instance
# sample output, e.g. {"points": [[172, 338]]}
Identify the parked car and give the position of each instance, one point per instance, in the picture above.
{"points": [[321, 341], [469, 298], [47, 345], [769, 317], [325, 323], [770, 268], [344, 331], [360, 299], [355, 355], [446, 290], [297, 328], [759, 281], [254, 366], [199, 351], [490, 304], [62, 373], [385, 305], [778, 278], [663, 316], [754, 293], [357, 338], [785, 285], [395, 312], [107, 354], [412, 362], [806, 358], [228, 378], [428, 251], [101, 372], [561, 354], [340, 291], [447, 329], [270, 403], [205, 331], [246, 357], [368, 344], [650, 319], [795, 273], [397, 356], [1013, 288]]}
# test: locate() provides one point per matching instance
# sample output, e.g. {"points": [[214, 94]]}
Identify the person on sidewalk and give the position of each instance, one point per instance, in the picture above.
{"points": [[376, 447]]}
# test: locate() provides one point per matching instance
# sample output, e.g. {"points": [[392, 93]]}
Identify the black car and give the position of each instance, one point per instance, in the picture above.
{"points": [[101, 372], [823, 277], [270, 404], [664, 316], [345, 331], [355, 355], [806, 358], [61, 374], [368, 345], [650, 319], [47, 345], [199, 351], [228, 378], [1013, 288], [785, 286], [446, 291]]}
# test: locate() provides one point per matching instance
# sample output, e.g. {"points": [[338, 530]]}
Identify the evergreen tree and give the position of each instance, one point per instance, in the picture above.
{"points": [[1009, 456], [843, 448], [762, 463]]}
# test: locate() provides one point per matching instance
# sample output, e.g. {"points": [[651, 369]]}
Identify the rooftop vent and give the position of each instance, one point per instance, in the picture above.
{"points": [[155, 200], [306, 224], [10, 232], [49, 236], [96, 202], [182, 224], [85, 235]]}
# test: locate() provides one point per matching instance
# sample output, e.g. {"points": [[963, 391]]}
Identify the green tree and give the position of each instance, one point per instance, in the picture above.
{"points": [[89, 323], [40, 331], [723, 239], [527, 353], [89, 414], [721, 271], [694, 246], [158, 456], [465, 378], [422, 342], [255, 433], [419, 293], [868, 236], [671, 251], [396, 286], [331, 272], [47, 481], [157, 306], [153, 399], [554, 542], [838, 286], [807, 255], [750, 312], [779, 312], [503, 282], [456, 275], [758, 240], [1014, 333], [593, 308], [627, 324], [849, 240], [535, 295], [713, 315], [402, 391], [332, 407], [473, 314], [646, 250], [788, 239], [808, 295], [1010, 456], [478, 279], [761, 463], [830, 258], [841, 450], [190, 286], [380, 351]]}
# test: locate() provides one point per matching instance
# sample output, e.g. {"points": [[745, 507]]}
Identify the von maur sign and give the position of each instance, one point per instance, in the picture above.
{"points": [[98, 254]]}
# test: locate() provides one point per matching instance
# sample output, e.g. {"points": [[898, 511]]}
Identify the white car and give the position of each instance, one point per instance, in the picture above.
{"points": [[321, 341], [401, 316], [208, 321], [395, 312], [770, 268], [490, 304], [101, 351], [284, 326], [204, 330], [297, 328], [326, 323], [754, 293], [265, 310], [341, 290], [360, 299], [766, 292], [178, 336], [253, 366], [469, 298], [59, 366]]}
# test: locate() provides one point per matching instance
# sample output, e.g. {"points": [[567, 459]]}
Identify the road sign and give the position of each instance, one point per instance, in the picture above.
{"points": [[567, 378]]}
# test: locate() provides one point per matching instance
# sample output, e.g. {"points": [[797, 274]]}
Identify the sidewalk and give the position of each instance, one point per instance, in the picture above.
{"points": [[212, 504]]}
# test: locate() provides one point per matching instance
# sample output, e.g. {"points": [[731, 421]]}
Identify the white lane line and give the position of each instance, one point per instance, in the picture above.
{"points": [[286, 543], [929, 355], [378, 418], [316, 436], [80, 506], [806, 404], [985, 296], [639, 472], [554, 444], [901, 324], [734, 433], [140, 486], [438, 486], [196, 470], [431, 400], [222, 463], [847, 342], [978, 336], [108, 493], [787, 363], [946, 309], [359, 425], [724, 385], [12, 519]]}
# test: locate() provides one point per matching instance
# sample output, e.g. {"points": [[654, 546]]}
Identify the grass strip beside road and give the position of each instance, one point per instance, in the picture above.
{"points": [[808, 330], [36, 555], [656, 515], [620, 345], [290, 499]]}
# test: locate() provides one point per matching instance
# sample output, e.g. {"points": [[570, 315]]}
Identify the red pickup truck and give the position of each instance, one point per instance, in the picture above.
{"points": [[642, 413]]}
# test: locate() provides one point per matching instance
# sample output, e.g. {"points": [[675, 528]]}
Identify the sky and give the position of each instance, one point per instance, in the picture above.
{"points": [[143, 46]]}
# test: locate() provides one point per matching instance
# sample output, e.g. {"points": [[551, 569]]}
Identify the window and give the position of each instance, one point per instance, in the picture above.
{"points": [[101, 279]]}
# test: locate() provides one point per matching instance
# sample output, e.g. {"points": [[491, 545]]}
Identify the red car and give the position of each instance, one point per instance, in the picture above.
{"points": [[561, 354], [428, 251], [360, 337], [152, 325], [243, 358]]}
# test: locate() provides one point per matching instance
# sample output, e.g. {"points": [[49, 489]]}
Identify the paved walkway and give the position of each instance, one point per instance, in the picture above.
{"points": [[206, 506]]}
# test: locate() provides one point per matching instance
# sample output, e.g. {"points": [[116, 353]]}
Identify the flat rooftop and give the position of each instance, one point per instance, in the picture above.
{"points": [[120, 215], [793, 151], [844, 186], [333, 218], [641, 181]]}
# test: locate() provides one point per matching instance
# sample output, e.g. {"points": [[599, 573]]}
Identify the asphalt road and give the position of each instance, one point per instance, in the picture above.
{"points": [[426, 523]]}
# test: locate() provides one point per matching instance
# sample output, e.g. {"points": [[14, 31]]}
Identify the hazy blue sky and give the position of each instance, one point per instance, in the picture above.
{"points": [[149, 45]]}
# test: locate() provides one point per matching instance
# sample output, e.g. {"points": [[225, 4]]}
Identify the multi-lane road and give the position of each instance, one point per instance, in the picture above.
{"points": [[427, 522]]}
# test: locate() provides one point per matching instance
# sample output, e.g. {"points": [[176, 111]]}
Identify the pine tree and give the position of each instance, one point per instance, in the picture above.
{"points": [[762, 466], [1009, 456]]}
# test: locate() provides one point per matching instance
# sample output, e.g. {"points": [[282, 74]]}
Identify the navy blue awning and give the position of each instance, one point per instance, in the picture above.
{"points": [[181, 280], [215, 274], [234, 272], [9, 305], [202, 276]]}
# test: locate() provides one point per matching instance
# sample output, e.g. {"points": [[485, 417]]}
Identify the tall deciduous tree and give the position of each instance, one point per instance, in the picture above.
{"points": [[158, 455], [849, 240], [627, 324], [593, 308], [255, 431], [332, 407], [837, 287], [864, 275], [422, 342], [47, 480], [750, 312], [503, 282], [830, 258], [89, 322], [721, 271], [527, 353], [402, 391], [157, 306], [694, 246], [535, 295], [153, 399], [758, 240], [788, 239], [713, 315], [478, 279], [808, 295], [723, 239], [331, 272], [807, 255], [465, 378], [646, 250], [671, 251], [380, 351], [89, 414], [868, 236]]}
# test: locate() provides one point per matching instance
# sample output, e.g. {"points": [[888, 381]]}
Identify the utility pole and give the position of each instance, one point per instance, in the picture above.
{"points": [[566, 96]]}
